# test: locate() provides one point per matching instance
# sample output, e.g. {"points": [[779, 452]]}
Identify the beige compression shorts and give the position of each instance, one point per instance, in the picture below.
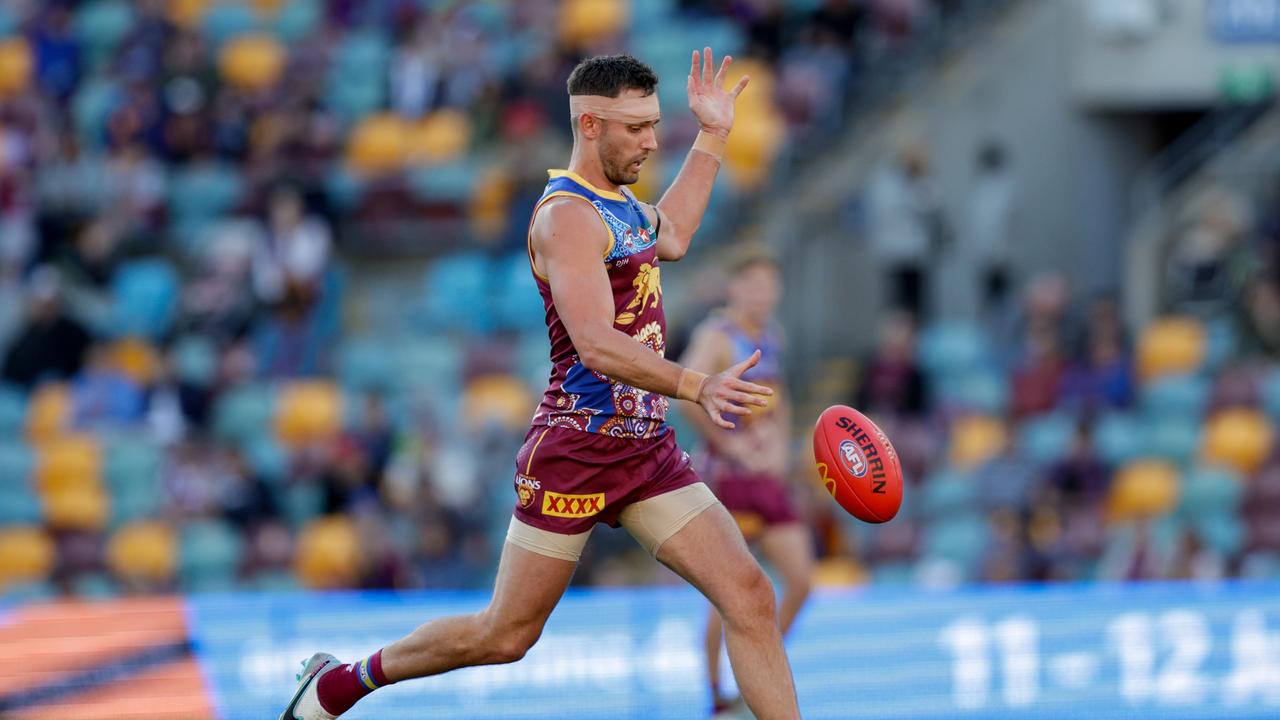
{"points": [[651, 522]]}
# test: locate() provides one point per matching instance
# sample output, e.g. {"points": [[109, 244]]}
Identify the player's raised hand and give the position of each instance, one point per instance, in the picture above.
{"points": [[727, 392], [709, 101]]}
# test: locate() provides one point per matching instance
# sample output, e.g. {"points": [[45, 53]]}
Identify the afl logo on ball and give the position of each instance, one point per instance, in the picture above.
{"points": [[854, 461]]}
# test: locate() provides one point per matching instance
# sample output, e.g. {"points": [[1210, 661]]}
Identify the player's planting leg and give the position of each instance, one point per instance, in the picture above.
{"points": [[710, 553], [528, 587]]}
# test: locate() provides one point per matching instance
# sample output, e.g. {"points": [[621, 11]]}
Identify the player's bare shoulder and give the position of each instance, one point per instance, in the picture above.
{"points": [[566, 224]]}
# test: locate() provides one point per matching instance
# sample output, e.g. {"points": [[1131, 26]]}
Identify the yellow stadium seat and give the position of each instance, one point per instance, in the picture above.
{"points": [[976, 439], [267, 8], [26, 555], [328, 554], [838, 572], [497, 398], [752, 146], [16, 63], [137, 359], [488, 208], [1239, 439], [70, 462], [306, 411], [187, 14], [378, 144], [78, 508], [49, 412], [439, 137], [585, 21], [252, 62], [144, 551], [1145, 488], [1171, 345]]}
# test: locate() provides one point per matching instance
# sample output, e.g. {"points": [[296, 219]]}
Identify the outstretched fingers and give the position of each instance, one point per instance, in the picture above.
{"points": [[724, 68]]}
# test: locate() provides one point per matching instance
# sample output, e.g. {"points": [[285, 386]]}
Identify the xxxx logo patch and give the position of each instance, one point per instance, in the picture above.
{"points": [[571, 506]]}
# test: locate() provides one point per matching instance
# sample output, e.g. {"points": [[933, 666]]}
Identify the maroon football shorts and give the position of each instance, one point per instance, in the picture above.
{"points": [[756, 500], [568, 480]]}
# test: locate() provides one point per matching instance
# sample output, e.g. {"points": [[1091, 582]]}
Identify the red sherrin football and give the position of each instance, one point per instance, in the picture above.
{"points": [[858, 464]]}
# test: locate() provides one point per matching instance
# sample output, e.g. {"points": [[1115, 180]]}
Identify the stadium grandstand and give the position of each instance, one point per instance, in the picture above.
{"points": [[268, 328]]}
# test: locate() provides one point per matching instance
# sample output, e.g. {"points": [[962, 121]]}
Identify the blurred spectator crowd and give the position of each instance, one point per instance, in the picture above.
{"points": [[1060, 446], [187, 399]]}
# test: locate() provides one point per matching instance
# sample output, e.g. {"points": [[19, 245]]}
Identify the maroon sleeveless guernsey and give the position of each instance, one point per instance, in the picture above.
{"points": [[583, 399]]}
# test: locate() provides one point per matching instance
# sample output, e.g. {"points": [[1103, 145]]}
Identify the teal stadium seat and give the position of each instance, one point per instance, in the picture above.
{"points": [[244, 413], [430, 370], [1172, 437], [13, 411], [1223, 343], [31, 592], [457, 294], [343, 188], [297, 19], [946, 493], [18, 502], [517, 304], [1176, 395], [209, 556], [131, 470], [91, 105], [976, 390], [1118, 438], [225, 20], [200, 194], [100, 26], [951, 348], [1269, 390], [365, 365], [960, 539], [1221, 533], [1210, 490], [1047, 439], [300, 503], [195, 360], [268, 460], [145, 298], [95, 586], [357, 76], [454, 182]]}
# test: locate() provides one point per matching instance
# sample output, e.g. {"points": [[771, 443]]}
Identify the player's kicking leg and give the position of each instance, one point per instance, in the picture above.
{"points": [[528, 587], [710, 553]]}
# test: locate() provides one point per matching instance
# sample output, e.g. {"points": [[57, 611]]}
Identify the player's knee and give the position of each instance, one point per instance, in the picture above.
{"points": [[507, 645], [752, 600], [798, 585]]}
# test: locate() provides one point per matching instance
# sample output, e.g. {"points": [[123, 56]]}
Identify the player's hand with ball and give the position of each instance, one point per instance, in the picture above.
{"points": [[727, 392], [711, 104]]}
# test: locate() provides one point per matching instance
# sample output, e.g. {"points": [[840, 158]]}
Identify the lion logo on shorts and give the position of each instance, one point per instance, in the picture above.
{"points": [[525, 489]]}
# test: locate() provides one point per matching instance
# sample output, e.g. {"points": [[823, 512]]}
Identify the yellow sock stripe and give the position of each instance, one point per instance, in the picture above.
{"points": [[365, 676]]}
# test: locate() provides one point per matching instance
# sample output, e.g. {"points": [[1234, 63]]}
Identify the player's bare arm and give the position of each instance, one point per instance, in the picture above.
{"points": [[568, 244], [680, 210]]}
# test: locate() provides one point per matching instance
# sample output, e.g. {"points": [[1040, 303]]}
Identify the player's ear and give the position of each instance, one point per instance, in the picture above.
{"points": [[590, 126]]}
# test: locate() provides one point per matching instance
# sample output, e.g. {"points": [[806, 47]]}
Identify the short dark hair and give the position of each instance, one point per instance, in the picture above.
{"points": [[610, 75]]}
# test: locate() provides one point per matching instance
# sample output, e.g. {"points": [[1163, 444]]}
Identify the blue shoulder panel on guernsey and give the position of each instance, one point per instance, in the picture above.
{"points": [[1170, 650]]}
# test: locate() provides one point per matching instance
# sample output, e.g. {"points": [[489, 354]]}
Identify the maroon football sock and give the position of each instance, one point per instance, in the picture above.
{"points": [[339, 689]]}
